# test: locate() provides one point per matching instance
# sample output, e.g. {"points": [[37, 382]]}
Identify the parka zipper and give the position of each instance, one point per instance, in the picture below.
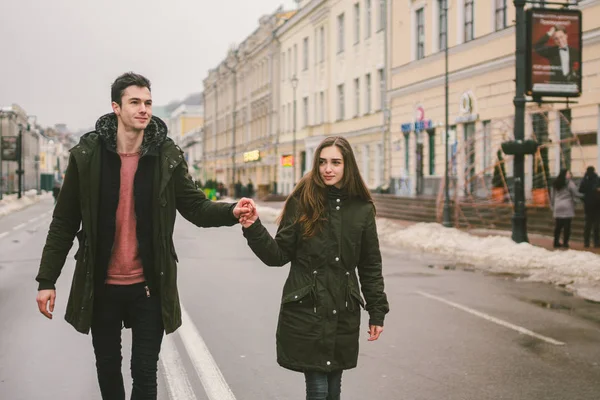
{"points": [[313, 291]]}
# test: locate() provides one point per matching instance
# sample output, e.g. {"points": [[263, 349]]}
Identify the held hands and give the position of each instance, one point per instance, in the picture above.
{"points": [[246, 212], [374, 332], [43, 297]]}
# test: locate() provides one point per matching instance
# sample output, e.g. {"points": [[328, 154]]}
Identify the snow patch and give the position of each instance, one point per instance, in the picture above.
{"points": [[578, 271]]}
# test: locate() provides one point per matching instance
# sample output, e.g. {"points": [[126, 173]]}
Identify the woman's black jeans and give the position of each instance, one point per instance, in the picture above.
{"points": [[129, 306], [559, 225], [323, 386]]}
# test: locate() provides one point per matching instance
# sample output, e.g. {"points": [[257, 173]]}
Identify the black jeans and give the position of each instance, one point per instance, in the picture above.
{"points": [[130, 306], [592, 222], [323, 386], [559, 225]]}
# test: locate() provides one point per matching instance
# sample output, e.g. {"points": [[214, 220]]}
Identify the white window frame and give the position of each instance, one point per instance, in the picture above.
{"points": [[356, 97], [341, 97], [341, 33], [356, 23]]}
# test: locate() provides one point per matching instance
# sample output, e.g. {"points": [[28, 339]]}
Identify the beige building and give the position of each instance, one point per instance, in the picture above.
{"points": [[243, 87], [481, 43], [331, 82]]}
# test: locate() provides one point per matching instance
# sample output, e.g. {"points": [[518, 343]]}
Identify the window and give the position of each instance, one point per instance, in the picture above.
{"points": [[356, 23], [406, 153], [283, 66], [431, 145], [322, 46], [468, 20], [322, 101], [443, 26], [368, 93], [500, 14], [356, 97], [283, 120], [340, 33], [295, 59], [565, 135], [381, 75], [487, 147], [381, 20], [341, 105], [379, 164], [305, 112], [367, 19], [420, 33], [289, 63], [305, 54]]}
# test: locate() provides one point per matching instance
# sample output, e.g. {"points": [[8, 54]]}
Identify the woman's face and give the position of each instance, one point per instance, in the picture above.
{"points": [[331, 166]]}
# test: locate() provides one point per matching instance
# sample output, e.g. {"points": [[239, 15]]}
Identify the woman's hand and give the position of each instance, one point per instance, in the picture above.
{"points": [[374, 332], [247, 219]]}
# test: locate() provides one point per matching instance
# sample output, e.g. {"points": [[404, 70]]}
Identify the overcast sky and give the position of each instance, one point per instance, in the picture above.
{"points": [[58, 58]]}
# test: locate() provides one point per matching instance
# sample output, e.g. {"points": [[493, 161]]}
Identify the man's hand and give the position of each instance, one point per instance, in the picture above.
{"points": [[43, 297], [243, 207], [247, 220], [374, 332]]}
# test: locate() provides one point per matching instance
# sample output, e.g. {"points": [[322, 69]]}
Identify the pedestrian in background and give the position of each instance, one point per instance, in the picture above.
{"points": [[56, 191], [564, 193], [124, 184], [327, 230], [590, 188]]}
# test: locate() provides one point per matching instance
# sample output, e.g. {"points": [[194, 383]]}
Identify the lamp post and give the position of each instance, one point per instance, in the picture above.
{"points": [[294, 82], [447, 222], [20, 160]]}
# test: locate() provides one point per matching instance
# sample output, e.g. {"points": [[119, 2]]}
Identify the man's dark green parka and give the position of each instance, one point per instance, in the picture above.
{"points": [[319, 317], [78, 207]]}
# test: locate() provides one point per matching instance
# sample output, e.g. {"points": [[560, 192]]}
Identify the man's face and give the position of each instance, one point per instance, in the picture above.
{"points": [[560, 39], [135, 110]]}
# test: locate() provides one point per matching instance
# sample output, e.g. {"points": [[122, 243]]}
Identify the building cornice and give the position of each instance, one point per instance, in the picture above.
{"points": [[299, 16]]}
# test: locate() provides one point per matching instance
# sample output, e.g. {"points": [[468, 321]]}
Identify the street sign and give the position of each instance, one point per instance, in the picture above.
{"points": [[10, 148]]}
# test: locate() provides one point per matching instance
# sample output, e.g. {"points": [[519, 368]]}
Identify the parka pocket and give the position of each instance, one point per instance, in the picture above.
{"points": [[300, 296], [298, 319]]}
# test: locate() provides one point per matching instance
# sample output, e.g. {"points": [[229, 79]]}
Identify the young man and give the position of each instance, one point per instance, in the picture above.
{"points": [[123, 185]]}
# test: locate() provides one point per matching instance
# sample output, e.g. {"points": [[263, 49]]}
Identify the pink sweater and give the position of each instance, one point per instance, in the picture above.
{"points": [[125, 266]]}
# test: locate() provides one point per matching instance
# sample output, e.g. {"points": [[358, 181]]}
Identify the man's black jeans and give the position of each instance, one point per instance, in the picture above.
{"points": [[131, 306]]}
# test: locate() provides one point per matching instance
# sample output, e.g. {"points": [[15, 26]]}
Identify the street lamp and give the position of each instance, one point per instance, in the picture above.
{"points": [[447, 222], [294, 82]]}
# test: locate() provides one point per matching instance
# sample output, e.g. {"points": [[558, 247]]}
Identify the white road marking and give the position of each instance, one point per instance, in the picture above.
{"points": [[493, 319], [209, 373], [3, 234], [178, 384], [18, 227]]}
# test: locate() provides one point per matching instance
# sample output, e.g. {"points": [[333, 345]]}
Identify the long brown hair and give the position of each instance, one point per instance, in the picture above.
{"points": [[311, 192]]}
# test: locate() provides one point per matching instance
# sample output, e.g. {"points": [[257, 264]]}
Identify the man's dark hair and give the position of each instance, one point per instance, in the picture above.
{"points": [[123, 82]]}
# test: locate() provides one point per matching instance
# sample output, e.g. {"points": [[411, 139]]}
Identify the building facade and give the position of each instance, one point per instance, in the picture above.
{"points": [[332, 82], [481, 63], [244, 88]]}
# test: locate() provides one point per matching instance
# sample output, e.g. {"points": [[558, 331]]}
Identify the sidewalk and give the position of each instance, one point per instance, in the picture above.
{"points": [[545, 242]]}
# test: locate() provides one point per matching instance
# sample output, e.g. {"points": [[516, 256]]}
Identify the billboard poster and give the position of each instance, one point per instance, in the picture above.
{"points": [[554, 52], [9, 146]]}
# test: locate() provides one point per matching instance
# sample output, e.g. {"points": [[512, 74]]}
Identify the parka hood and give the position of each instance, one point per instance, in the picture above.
{"points": [[155, 133]]}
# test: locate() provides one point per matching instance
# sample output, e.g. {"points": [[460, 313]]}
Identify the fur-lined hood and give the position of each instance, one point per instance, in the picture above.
{"points": [[155, 133]]}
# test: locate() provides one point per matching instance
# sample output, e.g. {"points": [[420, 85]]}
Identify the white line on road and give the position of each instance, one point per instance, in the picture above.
{"points": [[18, 226], [178, 384], [210, 375], [493, 319], [3, 234]]}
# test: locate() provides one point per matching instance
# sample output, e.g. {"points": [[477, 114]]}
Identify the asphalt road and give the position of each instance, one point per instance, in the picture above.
{"points": [[452, 333]]}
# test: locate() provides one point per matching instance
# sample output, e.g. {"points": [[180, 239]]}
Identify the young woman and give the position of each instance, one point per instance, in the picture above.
{"points": [[564, 193], [327, 230]]}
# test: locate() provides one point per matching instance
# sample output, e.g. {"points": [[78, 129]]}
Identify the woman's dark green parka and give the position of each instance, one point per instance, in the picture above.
{"points": [[319, 318], [77, 209]]}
